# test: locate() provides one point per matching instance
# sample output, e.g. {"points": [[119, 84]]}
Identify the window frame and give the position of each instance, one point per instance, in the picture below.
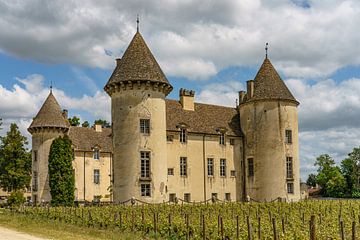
{"points": [[232, 173], [183, 135], [35, 152], [210, 167], [251, 167], [96, 154], [228, 197], [222, 139], [170, 171], [145, 164], [289, 168], [145, 189], [290, 190], [288, 136], [183, 167], [145, 126], [222, 167], [96, 176], [187, 197]]}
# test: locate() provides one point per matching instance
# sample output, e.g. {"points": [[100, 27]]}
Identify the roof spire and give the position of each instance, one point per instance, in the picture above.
{"points": [[51, 86], [137, 23], [266, 50]]}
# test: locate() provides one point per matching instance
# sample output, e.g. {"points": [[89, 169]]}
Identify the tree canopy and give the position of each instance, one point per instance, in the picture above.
{"points": [[61, 173], [103, 123], [74, 121], [15, 161]]}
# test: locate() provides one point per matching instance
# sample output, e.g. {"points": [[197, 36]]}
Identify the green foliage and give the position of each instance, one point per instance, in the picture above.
{"points": [[15, 161], [85, 124], [1, 123], [16, 198], [351, 170], [336, 186], [103, 123], [61, 174], [311, 181], [74, 121]]}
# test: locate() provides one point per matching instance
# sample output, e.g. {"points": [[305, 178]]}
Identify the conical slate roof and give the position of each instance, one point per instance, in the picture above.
{"points": [[137, 64], [269, 85], [50, 115]]}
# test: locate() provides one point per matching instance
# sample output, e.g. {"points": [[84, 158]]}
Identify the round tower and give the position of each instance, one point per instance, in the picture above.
{"points": [[269, 121], [138, 88], [49, 123]]}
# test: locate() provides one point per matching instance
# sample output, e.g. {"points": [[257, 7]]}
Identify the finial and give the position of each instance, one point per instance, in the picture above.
{"points": [[266, 50], [137, 22], [51, 86]]}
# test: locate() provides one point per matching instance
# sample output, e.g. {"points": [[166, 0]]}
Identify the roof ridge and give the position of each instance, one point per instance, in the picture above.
{"points": [[207, 104]]}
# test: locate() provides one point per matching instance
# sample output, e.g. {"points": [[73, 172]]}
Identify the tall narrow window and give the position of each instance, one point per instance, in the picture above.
{"points": [[227, 197], [145, 126], [222, 139], [145, 190], [35, 181], [96, 176], [96, 154], [187, 197], [183, 135], [35, 155], [290, 187], [172, 197], [288, 136], [210, 166], [222, 167], [289, 167], [145, 164], [183, 166], [250, 167]]}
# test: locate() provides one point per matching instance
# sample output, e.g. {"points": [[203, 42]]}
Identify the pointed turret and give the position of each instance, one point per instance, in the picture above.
{"points": [[49, 116], [137, 65], [269, 85]]}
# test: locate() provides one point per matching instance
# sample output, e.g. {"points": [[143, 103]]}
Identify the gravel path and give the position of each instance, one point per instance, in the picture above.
{"points": [[8, 234]]}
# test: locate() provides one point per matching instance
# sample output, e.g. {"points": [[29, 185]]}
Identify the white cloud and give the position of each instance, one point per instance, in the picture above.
{"points": [[190, 38]]}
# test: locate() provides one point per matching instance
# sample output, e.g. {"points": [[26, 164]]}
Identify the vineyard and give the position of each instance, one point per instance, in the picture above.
{"points": [[302, 220]]}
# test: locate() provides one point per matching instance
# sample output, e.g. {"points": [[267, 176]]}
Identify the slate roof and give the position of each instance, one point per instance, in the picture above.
{"points": [[50, 115], [137, 64], [86, 139], [269, 85], [205, 118]]}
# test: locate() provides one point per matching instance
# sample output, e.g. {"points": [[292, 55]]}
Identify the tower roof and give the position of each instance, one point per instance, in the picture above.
{"points": [[50, 115], [269, 85], [137, 64]]}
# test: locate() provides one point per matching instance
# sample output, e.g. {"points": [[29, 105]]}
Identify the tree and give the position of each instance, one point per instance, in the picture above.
{"points": [[74, 121], [0, 124], [103, 123], [61, 173], [15, 161], [351, 170], [311, 181], [85, 124]]}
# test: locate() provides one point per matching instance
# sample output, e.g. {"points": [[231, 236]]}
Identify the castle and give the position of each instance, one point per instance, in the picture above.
{"points": [[160, 150]]}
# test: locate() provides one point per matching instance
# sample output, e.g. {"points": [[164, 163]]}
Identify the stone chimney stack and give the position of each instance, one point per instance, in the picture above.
{"points": [[118, 60], [98, 128], [241, 96], [187, 99], [250, 88], [65, 113]]}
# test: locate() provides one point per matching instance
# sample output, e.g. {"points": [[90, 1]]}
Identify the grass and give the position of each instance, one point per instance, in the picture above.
{"points": [[58, 230]]}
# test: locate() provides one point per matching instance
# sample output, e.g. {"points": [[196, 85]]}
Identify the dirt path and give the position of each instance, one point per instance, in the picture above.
{"points": [[8, 234]]}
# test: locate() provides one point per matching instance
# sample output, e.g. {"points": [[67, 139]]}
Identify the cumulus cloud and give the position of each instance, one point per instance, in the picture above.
{"points": [[191, 38]]}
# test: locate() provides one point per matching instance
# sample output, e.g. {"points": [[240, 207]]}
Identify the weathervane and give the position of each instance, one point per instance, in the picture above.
{"points": [[137, 22], [266, 50]]}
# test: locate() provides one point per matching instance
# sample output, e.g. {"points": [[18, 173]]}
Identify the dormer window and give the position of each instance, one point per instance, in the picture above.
{"points": [[222, 139], [183, 135], [96, 154]]}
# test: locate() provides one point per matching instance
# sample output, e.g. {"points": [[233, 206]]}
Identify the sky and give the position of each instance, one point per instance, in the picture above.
{"points": [[212, 47]]}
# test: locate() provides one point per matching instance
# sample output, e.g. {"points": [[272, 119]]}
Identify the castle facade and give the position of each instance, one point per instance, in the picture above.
{"points": [[160, 150]]}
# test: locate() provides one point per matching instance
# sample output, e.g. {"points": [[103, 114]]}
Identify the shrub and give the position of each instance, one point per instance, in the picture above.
{"points": [[16, 199]]}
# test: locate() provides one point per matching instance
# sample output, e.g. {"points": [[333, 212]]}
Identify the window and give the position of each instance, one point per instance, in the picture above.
{"points": [[96, 154], [222, 139], [187, 197], [170, 171], [210, 166], [222, 167], [227, 197], [145, 164], [251, 167], [289, 167], [290, 187], [96, 176], [183, 166], [35, 181], [145, 126], [170, 138], [183, 135], [214, 196], [288, 136], [232, 173], [145, 190], [172, 197], [35, 155], [232, 141]]}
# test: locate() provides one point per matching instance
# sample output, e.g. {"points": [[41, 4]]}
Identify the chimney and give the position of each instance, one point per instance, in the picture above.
{"points": [[241, 96], [250, 88], [65, 113], [118, 60], [98, 128], [187, 99]]}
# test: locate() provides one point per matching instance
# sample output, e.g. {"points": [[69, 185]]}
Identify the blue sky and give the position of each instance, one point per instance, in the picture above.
{"points": [[212, 47]]}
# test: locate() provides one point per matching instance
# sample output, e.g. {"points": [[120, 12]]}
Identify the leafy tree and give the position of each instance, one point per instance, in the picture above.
{"points": [[61, 175], [85, 124], [311, 181], [351, 170], [15, 161], [74, 121], [103, 123], [336, 186], [0, 123], [16, 198]]}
